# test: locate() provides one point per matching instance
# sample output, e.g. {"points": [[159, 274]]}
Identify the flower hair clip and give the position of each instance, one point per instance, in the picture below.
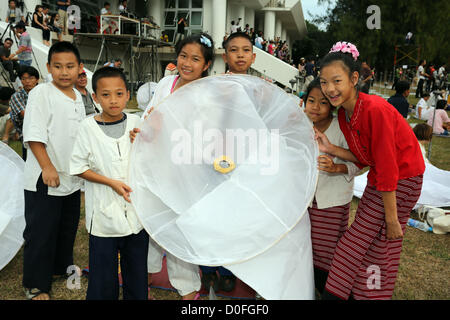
{"points": [[346, 47], [205, 41]]}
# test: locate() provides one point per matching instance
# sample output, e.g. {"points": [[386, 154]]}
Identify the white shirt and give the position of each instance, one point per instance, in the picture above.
{"points": [[335, 189], [108, 212], [53, 119], [103, 11], [441, 72], [425, 108], [420, 70]]}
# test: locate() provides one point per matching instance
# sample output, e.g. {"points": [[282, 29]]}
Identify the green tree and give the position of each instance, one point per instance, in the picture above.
{"points": [[428, 20]]}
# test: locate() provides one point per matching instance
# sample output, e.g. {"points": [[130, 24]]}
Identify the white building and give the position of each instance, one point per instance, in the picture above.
{"points": [[275, 18]]}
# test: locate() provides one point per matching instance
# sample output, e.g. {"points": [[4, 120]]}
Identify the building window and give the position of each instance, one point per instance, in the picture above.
{"points": [[191, 10]]}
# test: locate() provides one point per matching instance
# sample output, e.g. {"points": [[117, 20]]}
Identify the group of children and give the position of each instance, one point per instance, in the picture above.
{"points": [[66, 147]]}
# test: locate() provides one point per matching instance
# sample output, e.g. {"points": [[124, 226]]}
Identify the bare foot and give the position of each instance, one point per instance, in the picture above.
{"points": [[42, 296], [190, 296]]}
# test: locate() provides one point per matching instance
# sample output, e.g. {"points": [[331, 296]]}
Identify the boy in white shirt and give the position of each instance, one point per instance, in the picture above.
{"points": [[422, 107], [100, 156], [52, 196]]}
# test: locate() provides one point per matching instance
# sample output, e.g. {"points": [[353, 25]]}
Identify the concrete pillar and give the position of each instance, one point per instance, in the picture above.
{"points": [[250, 17], [283, 34], [278, 28], [240, 13], [154, 9], [269, 25], [29, 6], [207, 16], [219, 7]]}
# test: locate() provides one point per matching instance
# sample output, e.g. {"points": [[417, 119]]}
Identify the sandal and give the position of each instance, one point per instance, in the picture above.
{"points": [[34, 292], [210, 279], [227, 283]]}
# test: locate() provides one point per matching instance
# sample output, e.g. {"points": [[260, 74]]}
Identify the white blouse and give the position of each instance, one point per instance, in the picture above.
{"points": [[335, 189]]}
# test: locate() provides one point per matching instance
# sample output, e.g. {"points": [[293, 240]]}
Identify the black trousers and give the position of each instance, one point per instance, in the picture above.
{"points": [[104, 262], [419, 90], [10, 66], [50, 231]]}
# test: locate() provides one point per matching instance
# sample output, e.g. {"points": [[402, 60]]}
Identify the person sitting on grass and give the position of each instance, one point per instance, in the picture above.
{"points": [[440, 121]]}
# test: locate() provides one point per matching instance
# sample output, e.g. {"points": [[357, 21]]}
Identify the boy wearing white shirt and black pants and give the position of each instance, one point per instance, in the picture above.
{"points": [[100, 156], [52, 196]]}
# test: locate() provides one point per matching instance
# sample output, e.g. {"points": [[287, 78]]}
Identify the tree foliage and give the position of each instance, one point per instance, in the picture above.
{"points": [[427, 20]]}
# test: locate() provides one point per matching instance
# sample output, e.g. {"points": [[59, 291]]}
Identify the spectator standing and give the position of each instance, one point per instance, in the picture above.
{"points": [[62, 11], [441, 76], [310, 71], [399, 99], [88, 102], [259, 41], [366, 77], [25, 48], [180, 29], [421, 75], [9, 61], [13, 14]]}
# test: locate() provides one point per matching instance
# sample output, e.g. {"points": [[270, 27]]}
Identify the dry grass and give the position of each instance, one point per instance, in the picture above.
{"points": [[424, 271]]}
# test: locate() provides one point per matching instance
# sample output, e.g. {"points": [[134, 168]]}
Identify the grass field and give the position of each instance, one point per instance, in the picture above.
{"points": [[424, 271]]}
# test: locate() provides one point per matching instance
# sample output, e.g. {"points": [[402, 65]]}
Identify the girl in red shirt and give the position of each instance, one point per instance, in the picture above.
{"points": [[366, 259]]}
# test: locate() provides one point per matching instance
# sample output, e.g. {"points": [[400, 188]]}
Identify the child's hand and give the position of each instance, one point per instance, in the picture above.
{"points": [[122, 189], [394, 230], [50, 176], [326, 164], [325, 145], [133, 134]]}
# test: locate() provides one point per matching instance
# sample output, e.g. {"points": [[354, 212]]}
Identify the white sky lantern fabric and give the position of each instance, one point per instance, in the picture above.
{"points": [[12, 204], [435, 187], [222, 174]]}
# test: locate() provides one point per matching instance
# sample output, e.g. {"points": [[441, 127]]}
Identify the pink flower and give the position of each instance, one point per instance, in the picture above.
{"points": [[346, 47]]}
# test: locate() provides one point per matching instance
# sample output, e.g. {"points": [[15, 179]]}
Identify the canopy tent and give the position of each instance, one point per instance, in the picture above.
{"points": [[222, 173], [12, 204]]}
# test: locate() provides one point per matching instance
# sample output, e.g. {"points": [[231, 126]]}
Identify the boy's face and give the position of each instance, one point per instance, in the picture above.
{"points": [[112, 95], [64, 68], [239, 55], [28, 82]]}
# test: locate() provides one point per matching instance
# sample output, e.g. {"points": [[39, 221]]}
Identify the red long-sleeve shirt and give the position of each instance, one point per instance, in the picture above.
{"points": [[381, 138]]}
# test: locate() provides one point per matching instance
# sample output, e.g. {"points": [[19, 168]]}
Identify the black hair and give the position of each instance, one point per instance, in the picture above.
{"points": [[316, 84], [106, 4], [345, 58], [108, 72], [207, 51], [8, 39], [423, 131], [36, 9], [441, 104], [238, 34], [63, 46], [402, 86], [425, 94], [32, 72], [20, 25], [6, 93]]}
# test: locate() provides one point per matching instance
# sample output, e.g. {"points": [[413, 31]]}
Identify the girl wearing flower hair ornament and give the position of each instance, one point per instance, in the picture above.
{"points": [[367, 256], [194, 58]]}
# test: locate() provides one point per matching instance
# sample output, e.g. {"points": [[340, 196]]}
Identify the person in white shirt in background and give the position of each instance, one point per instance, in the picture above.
{"points": [[107, 23], [422, 107], [101, 157], [421, 76], [330, 208], [53, 115]]}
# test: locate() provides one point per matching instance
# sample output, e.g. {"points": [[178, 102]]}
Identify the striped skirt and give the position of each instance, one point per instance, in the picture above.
{"points": [[365, 263], [327, 227]]}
